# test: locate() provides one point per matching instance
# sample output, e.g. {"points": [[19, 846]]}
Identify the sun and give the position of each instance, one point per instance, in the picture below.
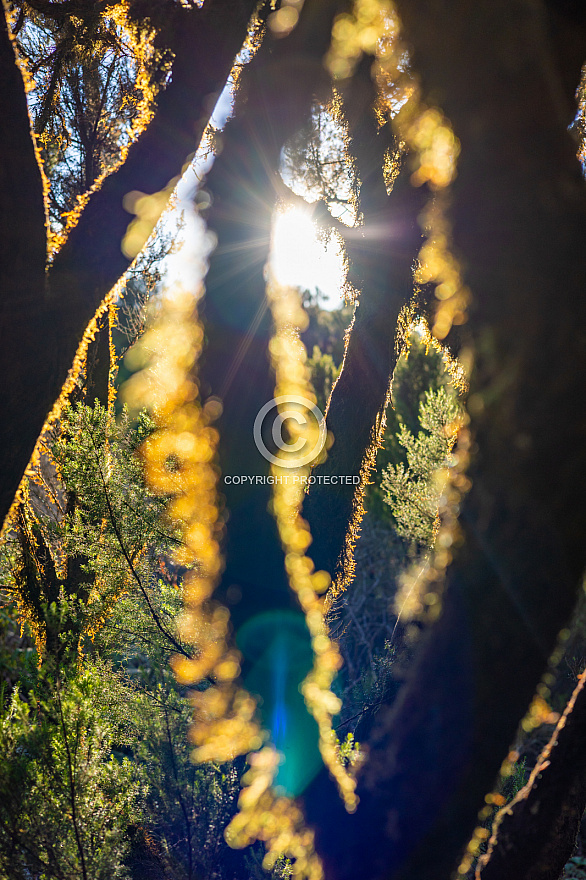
{"points": [[300, 259]]}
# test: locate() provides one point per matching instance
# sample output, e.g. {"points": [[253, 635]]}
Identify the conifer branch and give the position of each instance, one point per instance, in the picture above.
{"points": [[165, 632], [71, 783]]}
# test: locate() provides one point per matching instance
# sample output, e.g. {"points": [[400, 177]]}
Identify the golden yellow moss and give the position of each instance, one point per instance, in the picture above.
{"points": [[113, 369], [293, 380], [26, 613], [373, 26], [274, 819], [180, 462], [139, 44]]}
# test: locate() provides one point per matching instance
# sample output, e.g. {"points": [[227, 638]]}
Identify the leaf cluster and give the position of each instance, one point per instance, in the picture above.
{"points": [[65, 799], [413, 490], [96, 779]]}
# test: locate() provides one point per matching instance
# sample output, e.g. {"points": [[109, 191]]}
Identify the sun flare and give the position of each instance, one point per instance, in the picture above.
{"points": [[300, 259]]}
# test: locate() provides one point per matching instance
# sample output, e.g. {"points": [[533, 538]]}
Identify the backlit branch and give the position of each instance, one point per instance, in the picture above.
{"points": [[39, 339]]}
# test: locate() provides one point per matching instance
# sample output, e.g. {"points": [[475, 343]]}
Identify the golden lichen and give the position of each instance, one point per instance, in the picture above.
{"points": [[137, 43], [147, 210], [438, 265], [356, 32], [180, 463], [224, 723], [113, 370], [274, 819], [293, 381], [373, 27], [73, 377], [283, 20]]}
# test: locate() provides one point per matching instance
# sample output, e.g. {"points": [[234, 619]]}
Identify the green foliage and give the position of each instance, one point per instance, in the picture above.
{"points": [[511, 785], [103, 583], [323, 375], [413, 490], [95, 576], [65, 799], [95, 775], [349, 751], [67, 570], [316, 164], [420, 368], [114, 519], [18, 660], [185, 807], [93, 77], [575, 869], [402, 508], [324, 338], [326, 329]]}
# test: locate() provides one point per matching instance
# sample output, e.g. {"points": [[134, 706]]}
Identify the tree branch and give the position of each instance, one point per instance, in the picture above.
{"points": [[519, 217], [71, 782], [534, 836], [165, 632], [381, 255], [39, 341], [23, 312]]}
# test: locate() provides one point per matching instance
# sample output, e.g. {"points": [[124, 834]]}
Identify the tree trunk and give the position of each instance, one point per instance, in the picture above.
{"points": [[519, 221], [44, 325], [277, 92], [534, 836], [24, 316], [381, 255]]}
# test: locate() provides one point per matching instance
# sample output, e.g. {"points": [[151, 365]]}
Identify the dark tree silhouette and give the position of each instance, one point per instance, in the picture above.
{"points": [[504, 73], [45, 311]]}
